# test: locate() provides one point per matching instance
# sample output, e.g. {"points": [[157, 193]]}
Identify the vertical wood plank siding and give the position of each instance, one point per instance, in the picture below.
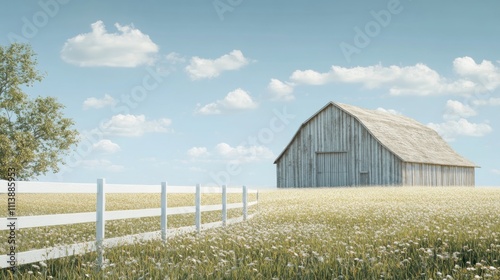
{"points": [[334, 131], [420, 174]]}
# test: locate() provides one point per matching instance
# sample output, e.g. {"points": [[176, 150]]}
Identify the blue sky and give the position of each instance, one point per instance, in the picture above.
{"points": [[211, 92]]}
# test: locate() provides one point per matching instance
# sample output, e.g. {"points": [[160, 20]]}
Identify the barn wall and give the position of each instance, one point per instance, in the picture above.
{"points": [[334, 131], [419, 174]]}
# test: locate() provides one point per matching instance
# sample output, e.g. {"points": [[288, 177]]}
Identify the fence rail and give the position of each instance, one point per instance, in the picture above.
{"points": [[101, 216], [58, 187]]}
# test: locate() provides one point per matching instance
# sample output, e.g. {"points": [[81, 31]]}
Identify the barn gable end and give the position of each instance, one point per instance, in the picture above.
{"points": [[343, 145]]}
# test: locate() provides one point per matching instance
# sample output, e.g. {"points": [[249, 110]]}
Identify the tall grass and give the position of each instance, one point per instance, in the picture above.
{"points": [[346, 233]]}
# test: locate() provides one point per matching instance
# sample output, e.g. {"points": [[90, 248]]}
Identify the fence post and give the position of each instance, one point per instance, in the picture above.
{"points": [[100, 221], [197, 202], [224, 205], [164, 211], [245, 203]]}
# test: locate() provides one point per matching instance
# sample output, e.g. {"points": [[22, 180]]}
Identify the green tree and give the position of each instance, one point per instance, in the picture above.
{"points": [[34, 135]]}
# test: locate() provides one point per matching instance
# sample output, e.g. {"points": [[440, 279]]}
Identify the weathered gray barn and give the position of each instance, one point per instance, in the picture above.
{"points": [[343, 145]]}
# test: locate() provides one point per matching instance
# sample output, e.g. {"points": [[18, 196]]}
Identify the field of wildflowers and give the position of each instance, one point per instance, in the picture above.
{"points": [[337, 233]]}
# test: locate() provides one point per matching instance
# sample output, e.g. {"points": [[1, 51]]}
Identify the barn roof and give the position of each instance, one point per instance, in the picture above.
{"points": [[408, 139]]}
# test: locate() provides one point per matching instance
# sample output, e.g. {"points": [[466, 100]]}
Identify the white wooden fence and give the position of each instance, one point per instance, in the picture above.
{"points": [[101, 216]]}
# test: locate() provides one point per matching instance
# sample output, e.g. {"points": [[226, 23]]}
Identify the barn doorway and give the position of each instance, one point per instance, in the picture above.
{"points": [[364, 178], [331, 169]]}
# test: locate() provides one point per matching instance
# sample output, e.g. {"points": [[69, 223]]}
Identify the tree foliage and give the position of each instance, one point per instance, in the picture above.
{"points": [[34, 135]]}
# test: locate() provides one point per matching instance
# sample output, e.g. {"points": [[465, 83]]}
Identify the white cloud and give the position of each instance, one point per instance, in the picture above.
{"points": [[485, 74], [390, 111], [418, 79], [280, 91], [127, 48], [208, 109], [96, 103], [496, 171], [175, 58], [106, 146], [134, 125], [243, 153], [310, 77], [102, 165], [450, 129], [456, 109], [487, 102], [238, 99], [198, 152], [200, 68], [456, 123]]}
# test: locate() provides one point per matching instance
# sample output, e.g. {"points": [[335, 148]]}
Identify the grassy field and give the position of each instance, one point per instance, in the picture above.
{"points": [[344, 233]]}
